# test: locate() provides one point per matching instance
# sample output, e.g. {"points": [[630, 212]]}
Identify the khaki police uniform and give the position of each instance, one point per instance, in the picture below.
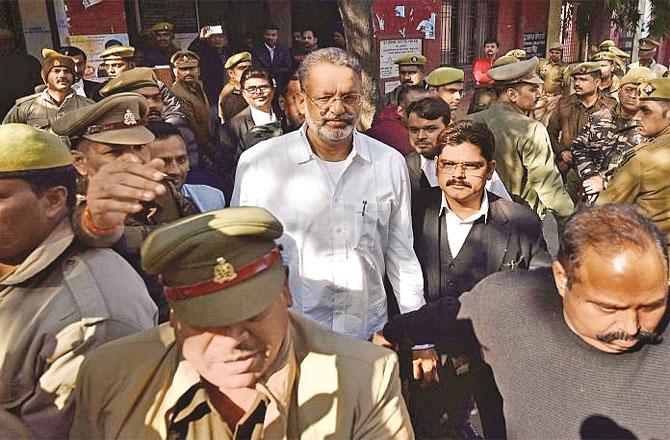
{"points": [[524, 159], [642, 177], [647, 44], [58, 304], [556, 78], [231, 101], [321, 384], [409, 59]]}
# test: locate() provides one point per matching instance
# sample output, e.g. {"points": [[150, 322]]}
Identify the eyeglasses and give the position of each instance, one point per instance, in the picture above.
{"points": [[471, 168], [252, 90], [326, 102]]}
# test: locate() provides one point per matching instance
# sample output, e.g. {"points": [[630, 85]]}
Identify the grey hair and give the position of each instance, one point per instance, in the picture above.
{"points": [[328, 55]]}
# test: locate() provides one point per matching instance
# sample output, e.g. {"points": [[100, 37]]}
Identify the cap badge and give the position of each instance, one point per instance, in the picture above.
{"points": [[640, 79], [223, 271], [129, 118], [414, 59], [649, 89], [583, 69], [56, 63]]}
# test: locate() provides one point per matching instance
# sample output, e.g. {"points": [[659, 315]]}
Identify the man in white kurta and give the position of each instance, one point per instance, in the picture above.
{"points": [[344, 201]]}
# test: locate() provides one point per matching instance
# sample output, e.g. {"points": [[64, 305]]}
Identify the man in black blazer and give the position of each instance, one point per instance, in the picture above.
{"points": [[273, 56], [463, 233], [426, 118]]}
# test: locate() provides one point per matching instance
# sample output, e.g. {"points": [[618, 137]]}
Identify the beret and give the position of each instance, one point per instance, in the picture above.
{"points": [[604, 56], [555, 46], [517, 53], [185, 58], [410, 59], [444, 75], [117, 53], [220, 267], [130, 80], [584, 68], [656, 90], [26, 148], [162, 26]]}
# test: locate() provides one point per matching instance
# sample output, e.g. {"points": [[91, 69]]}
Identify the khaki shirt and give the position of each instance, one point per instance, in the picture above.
{"points": [[659, 69], [41, 111], [323, 385], [569, 117], [195, 106], [56, 306], [231, 101], [554, 76], [524, 159], [613, 90], [642, 179]]}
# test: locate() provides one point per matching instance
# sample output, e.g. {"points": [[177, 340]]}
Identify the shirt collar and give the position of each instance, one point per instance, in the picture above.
{"points": [[275, 387], [303, 151], [271, 49], [262, 118], [46, 253], [483, 209]]}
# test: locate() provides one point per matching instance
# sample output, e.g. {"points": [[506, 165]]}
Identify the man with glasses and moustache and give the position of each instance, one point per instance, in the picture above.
{"points": [[344, 201]]}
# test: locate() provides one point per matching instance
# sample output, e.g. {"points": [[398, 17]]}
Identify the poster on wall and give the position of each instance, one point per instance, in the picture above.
{"points": [[405, 18], [535, 43], [389, 50], [94, 45]]}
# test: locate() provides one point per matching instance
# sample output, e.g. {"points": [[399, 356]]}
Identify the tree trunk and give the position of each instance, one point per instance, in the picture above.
{"points": [[358, 28]]}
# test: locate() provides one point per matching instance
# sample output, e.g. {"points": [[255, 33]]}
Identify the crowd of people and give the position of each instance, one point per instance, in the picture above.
{"points": [[225, 254]]}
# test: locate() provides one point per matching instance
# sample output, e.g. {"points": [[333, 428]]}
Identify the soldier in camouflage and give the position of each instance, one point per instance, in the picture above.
{"points": [[608, 134]]}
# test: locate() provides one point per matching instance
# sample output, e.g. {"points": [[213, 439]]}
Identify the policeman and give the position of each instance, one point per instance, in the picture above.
{"points": [[447, 83], [42, 109], [647, 51], [231, 101], [523, 153], [609, 81], [642, 177], [571, 115], [234, 362], [60, 299], [411, 72], [554, 73], [162, 45], [621, 56], [105, 139], [519, 54]]}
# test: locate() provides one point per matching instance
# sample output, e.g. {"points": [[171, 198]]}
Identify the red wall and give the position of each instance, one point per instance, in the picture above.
{"points": [[518, 16], [106, 17]]}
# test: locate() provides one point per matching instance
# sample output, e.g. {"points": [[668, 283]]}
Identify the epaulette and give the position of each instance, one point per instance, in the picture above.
{"points": [[628, 155], [27, 98]]}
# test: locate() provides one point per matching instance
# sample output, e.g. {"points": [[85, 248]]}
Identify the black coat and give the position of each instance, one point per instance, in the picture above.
{"points": [[417, 179], [279, 66]]}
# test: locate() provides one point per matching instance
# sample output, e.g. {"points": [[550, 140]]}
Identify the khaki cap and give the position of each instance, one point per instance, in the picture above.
{"points": [[162, 26], [184, 59], [411, 59], [656, 90], [556, 46], [637, 75], [444, 75], [517, 53], [130, 80], [54, 59], [606, 44], [26, 148], [584, 68], [117, 119], [618, 52], [604, 56], [505, 60], [648, 44], [220, 267], [118, 53], [236, 59], [520, 72]]}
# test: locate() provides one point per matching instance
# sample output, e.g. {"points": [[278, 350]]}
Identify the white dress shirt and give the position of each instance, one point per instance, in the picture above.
{"points": [[339, 237], [495, 185], [261, 118], [272, 51], [457, 228], [78, 88]]}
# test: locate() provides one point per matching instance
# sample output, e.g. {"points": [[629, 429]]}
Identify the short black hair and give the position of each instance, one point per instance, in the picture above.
{"points": [[491, 41], [73, 51], [255, 72], [41, 181], [269, 25], [406, 90], [607, 229], [476, 133], [430, 108], [163, 130]]}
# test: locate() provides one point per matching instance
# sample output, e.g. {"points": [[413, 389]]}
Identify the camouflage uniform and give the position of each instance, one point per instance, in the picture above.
{"points": [[599, 147]]}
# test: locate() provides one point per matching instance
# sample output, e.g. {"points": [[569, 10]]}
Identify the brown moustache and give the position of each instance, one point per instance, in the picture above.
{"points": [[458, 182]]}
